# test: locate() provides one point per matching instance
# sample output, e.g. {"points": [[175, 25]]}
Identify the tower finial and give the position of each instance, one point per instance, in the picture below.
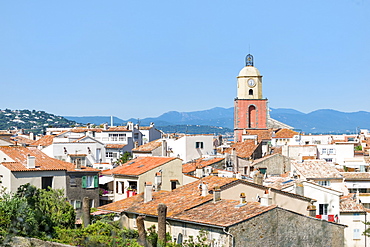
{"points": [[249, 60]]}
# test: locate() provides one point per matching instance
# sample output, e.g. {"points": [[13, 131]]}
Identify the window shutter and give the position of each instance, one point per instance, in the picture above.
{"points": [[84, 181], [96, 181]]}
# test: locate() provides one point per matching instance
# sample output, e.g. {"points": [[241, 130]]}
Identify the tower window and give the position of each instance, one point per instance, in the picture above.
{"points": [[250, 91]]}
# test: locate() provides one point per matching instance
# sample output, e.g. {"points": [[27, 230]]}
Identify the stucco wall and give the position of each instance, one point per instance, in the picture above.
{"points": [[276, 165], [34, 178], [280, 227]]}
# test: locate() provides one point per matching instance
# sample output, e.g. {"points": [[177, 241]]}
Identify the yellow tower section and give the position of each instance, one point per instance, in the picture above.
{"points": [[249, 81]]}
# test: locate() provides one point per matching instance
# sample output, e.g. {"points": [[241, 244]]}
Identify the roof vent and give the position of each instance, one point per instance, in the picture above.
{"points": [[31, 161]]}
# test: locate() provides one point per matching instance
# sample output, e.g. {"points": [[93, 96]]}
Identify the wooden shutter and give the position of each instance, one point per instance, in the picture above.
{"points": [[84, 181]]}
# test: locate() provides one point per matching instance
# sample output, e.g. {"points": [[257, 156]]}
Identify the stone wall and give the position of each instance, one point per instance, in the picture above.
{"points": [[28, 242], [280, 227], [276, 164]]}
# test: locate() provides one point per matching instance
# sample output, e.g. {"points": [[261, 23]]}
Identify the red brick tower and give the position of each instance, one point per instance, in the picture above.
{"points": [[250, 109]]}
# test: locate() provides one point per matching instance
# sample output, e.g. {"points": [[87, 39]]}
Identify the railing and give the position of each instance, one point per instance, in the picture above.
{"points": [[329, 217]]}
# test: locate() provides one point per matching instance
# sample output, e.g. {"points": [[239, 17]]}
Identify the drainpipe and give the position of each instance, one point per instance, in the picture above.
{"points": [[232, 237]]}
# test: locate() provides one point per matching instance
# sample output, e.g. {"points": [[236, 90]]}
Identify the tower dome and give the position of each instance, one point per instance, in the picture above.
{"points": [[249, 71]]}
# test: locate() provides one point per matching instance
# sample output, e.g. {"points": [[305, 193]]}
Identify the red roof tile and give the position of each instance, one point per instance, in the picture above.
{"points": [[202, 162], [44, 141], [42, 161], [148, 147], [285, 133], [139, 165]]}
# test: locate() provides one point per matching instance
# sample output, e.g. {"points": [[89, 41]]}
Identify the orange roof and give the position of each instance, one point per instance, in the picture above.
{"points": [[348, 204], [44, 141], [42, 161], [243, 149], [177, 201], [285, 133], [115, 146], [118, 128], [21, 140], [262, 134], [83, 129], [148, 147], [139, 165], [202, 162]]}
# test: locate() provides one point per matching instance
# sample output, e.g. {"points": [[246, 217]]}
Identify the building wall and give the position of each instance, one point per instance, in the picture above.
{"points": [[241, 115], [279, 227], [275, 165], [282, 200], [354, 222], [297, 152], [76, 192], [34, 178], [6, 178], [339, 152]]}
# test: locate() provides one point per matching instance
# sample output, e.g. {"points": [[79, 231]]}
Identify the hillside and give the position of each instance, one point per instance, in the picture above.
{"points": [[31, 120]]}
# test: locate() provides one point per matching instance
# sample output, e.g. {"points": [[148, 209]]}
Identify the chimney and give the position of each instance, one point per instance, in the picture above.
{"points": [[216, 194], [266, 199], [31, 160], [164, 148], [130, 126], [258, 178], [204, 189], [148, 192], [311, 210], [136, 144], [242, 198], [158, 181], [105, 126], [199, 171], [299, 189], [151, 125], [111, 121]]}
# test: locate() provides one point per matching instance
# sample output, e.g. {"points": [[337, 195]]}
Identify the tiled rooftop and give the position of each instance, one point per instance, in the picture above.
{"points": [[177, 201], [202, 162], [285, 133], [263, 134], [115, 146], [139, 165], [44, 141], [148, 147], [243, 149], [356, 175], [316, 169], [42, 161], [348, 204]]}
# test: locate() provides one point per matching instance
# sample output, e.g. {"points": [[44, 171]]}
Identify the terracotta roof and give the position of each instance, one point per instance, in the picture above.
{"points": [[348, 204], [42, 161], [115, 146], [22, 140], [279, 183], [145, 127], [285, 133], [177, 201], [82, 130], [139, 165], [243, 149], [44, 141], [148, 147], [202, 162], [316, 169], [356, 175], [263, 134], [118, 129], [223, 213]]}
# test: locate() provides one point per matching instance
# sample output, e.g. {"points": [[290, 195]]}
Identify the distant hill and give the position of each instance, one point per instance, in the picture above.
{"points": [[320, 121], [31, 120]]}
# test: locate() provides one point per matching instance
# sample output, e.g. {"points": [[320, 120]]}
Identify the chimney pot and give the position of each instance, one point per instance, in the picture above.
{"points": [[242, 198], [216, 194], [148, 196]]}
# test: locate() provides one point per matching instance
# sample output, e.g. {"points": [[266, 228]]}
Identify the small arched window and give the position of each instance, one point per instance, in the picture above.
{"points": [[250, 91]]}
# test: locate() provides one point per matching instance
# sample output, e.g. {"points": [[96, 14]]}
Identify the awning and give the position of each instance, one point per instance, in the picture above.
{"points": [[105, 179]]}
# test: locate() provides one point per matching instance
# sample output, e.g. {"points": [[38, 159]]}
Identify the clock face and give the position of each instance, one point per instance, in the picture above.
{"points": [[251, 83]]}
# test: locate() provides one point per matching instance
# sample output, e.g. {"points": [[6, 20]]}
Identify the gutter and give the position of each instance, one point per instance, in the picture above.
{"points": [[232, 237]]}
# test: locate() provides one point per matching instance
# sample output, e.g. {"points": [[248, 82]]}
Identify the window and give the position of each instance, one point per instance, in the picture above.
{"points": [[173, 185], [199, 145], [46, 182], [331, 151], [328, 160], [356, 234], [250, 91], [356, 217], [323, 151], [90, 181], [109, 155], [72, 181], [324, 183], [323, 209], [1, 179], [76, 204]]}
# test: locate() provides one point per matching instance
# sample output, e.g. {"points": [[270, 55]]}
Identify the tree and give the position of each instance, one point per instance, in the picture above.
{"points": [[124, 158]]}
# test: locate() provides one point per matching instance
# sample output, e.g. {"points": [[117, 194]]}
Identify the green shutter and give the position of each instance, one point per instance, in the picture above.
{"points": [[84, 181], [96, 181]]}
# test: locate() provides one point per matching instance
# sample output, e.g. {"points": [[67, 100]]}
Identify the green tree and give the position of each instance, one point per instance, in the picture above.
{"points": [[124, 158]]}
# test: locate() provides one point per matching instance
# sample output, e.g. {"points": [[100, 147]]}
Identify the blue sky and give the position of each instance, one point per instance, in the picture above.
{"points": [[143, 58]]}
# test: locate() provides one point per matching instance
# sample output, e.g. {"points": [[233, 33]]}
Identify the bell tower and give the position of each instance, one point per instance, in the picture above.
{"points": [[250, 109]]}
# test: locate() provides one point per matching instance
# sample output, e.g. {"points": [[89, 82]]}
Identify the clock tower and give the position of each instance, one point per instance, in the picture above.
{"points": [[250, 109]]}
